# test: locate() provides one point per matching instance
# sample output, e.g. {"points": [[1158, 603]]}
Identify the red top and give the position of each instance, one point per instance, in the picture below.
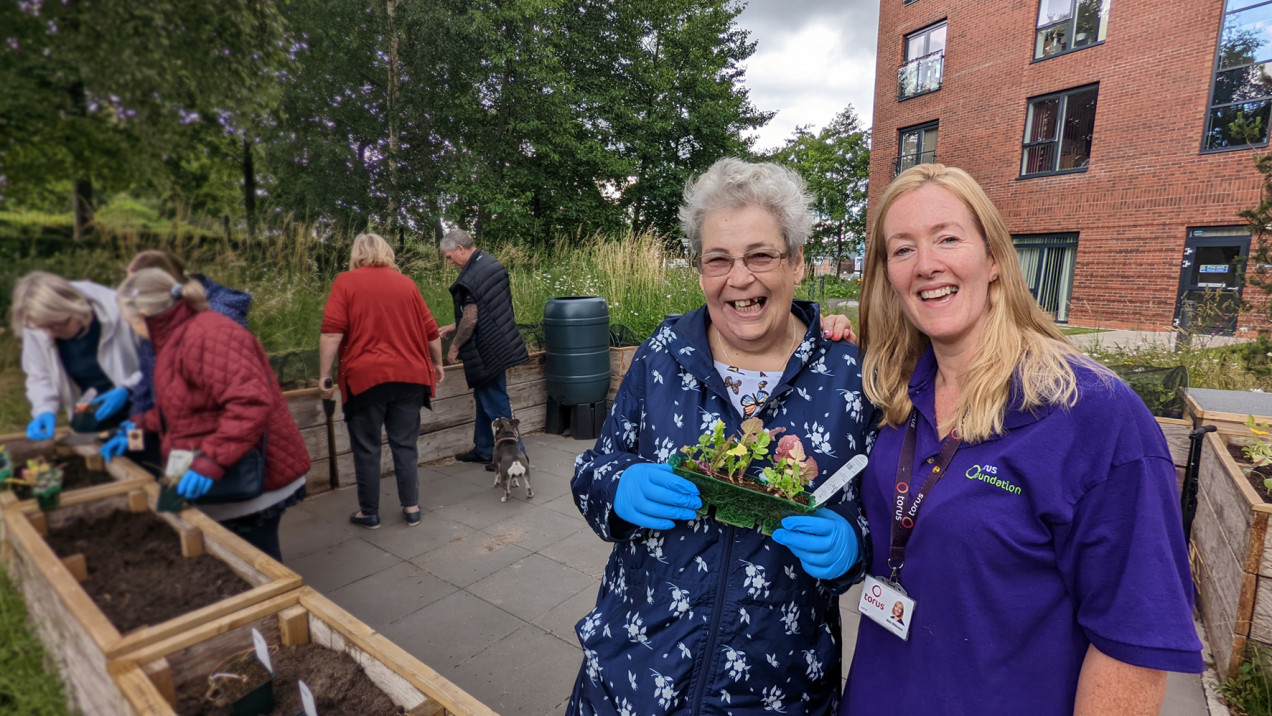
{"points": [[387, 328]]}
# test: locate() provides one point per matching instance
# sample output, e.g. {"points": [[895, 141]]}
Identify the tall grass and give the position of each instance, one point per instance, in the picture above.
{"points": [[28, 686]]}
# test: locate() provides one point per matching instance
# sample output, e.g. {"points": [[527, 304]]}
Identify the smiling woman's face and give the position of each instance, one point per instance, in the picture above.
{"points": [[750, 310]]}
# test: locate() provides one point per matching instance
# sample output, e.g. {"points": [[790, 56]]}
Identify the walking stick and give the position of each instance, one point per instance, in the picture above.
{"points": [[329, 407]]}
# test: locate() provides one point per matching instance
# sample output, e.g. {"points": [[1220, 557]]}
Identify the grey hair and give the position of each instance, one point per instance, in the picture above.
{"points": [[454, 239], [731, 183]]}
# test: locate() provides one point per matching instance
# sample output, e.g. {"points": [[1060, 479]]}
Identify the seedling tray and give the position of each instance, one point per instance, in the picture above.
{"points": [[737, 505]]}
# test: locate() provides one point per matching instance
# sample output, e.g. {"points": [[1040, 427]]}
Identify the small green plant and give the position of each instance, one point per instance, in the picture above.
{"points": [[40, 476], [730, 458], [1249, 691], [792, 470], [1259, 450]]}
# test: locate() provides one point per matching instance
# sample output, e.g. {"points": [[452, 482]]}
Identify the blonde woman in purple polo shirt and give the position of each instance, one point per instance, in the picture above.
{"points": [[1020, 496]]}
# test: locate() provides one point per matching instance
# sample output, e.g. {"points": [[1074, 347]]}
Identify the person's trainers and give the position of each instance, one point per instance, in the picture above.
{"points": [[412, 518], [371, 522], [472, 456], [491, 466]]}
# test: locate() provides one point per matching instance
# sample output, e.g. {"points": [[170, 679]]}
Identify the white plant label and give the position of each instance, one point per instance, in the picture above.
{"points": [[307, 699], [262, 650], [839, 479]]}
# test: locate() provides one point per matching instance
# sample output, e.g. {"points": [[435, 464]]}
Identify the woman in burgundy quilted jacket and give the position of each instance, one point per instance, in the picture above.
{"points": [[216, 396]]}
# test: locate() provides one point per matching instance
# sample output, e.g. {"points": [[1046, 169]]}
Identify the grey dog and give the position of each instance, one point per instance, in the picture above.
{"points": [[511, 463]]}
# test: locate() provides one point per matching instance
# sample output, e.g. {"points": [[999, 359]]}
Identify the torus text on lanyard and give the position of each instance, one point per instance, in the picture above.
{"points": [[906, 502]]}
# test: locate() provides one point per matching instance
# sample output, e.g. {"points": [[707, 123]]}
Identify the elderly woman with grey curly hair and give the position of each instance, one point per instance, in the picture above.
{"points": [[695, 614]]}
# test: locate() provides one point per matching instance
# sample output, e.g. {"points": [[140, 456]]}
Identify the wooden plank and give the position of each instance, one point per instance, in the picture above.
{"points": [[40, 524], [141, 694], [77, 566], [160, 674], [137, 501], [1176, 431], [191, 541], [293, 626], [1219, 574]]}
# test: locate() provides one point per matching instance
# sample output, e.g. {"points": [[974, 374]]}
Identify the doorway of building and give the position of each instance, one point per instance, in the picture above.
{"points": [[1210, 279]]}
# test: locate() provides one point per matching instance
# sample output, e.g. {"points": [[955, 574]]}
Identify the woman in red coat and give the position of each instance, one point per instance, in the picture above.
{"points": [[216, 397]]}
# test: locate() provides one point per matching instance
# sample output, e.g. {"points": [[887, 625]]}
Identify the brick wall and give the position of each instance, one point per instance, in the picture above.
{"points": [[1147, 181]]}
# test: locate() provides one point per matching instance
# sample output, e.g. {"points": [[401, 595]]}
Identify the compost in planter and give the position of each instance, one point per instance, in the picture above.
{"points": [[339, 685], [136, 574], [1255, 476], [75, 472]]}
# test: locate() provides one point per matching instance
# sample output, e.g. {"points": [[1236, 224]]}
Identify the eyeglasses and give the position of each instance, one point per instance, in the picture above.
{"points": [[755, 261]]}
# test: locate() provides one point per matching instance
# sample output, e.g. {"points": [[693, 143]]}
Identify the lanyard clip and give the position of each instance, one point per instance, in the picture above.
{"points": [[896, 571]]}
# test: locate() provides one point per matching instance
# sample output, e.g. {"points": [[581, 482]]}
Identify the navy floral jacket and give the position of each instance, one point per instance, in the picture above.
{"points": [[706, 617]]}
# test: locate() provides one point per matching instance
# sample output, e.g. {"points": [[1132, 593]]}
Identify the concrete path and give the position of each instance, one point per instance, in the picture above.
{"points": [[487, 593], [1133, 340]]}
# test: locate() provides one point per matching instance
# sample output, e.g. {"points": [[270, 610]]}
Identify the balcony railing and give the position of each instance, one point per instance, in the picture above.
{"points": [[920, 76], [905, 161]]}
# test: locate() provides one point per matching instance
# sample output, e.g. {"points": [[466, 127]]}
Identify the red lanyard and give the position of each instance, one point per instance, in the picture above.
{"points": [[906, 502]]}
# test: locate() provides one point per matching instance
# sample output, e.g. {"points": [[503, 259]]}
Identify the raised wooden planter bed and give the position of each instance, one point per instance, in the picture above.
{"points": [[121, 469], [74, 630], [151, 676], [1231, 556]]}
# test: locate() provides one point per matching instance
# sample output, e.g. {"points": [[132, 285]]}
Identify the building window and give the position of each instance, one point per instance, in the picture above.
{"points": [[915, 145], [1067, 25], [1058, 132], [1047, 261], [924, 60], [1241, 97]]}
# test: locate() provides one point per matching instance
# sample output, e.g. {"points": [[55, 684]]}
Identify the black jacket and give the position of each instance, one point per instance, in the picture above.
{"points": [[496, 344]]}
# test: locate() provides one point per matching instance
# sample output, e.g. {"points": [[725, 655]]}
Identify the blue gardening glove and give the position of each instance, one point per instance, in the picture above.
{"points": [[111, 402], [118, 443], [42, 427], [650, 495], [824, 542], [193, 485]]}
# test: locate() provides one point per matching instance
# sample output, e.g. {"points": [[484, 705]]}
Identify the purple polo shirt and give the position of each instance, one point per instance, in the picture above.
{"points": [[1061, 533]]}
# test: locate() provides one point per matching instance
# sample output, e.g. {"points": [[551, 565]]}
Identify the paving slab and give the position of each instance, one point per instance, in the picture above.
{"points": [[485, 510], [330, 569], [561, 619], [388, 595], [537, 529], [433, 531], [528, 673], [467, 560], [449, 631], [531, 587], [582, 550]]}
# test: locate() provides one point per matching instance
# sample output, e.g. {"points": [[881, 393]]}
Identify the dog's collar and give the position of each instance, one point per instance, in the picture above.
{"points": [[510, 439]]}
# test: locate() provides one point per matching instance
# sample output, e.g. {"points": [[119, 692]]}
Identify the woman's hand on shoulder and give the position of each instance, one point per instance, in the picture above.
{"points": [[838, 328]]}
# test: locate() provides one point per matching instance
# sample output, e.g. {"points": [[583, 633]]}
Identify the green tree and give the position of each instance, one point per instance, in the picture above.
{"points": [[835, 162], [98, 93]]}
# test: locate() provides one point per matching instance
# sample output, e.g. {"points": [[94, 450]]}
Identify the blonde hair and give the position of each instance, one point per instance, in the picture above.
{"points": [[42, 298], [153, 291], [1020, 339], [154, 258], [371, 250]]}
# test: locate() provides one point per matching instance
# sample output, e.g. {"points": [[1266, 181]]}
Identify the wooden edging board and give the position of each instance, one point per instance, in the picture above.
{"points": [[121, 469], [76, 633], [1234, 423], [149, 676]]}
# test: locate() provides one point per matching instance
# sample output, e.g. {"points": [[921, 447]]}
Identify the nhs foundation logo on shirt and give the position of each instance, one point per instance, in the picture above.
{"points": [[988, 474]]}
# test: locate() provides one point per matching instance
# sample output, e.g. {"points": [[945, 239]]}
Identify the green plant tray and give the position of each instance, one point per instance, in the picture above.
{"points": [[736, 505], [49, 499], [169, 500]]}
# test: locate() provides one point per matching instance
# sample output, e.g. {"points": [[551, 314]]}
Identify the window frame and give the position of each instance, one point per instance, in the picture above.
{"points": [[1062, 115], [1045, 241], [1072, 22], [907, 60], [920, 129], [1231, 7]]}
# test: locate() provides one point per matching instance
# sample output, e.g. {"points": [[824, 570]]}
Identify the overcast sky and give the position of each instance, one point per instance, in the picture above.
{"points": [[812, 58]]}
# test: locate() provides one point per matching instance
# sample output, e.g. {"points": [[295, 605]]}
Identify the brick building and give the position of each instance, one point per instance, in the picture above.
{"points": [[1117, 137]]}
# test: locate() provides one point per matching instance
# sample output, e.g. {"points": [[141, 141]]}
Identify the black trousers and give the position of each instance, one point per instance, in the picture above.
{"points": [[395, 409], [264, 536]]}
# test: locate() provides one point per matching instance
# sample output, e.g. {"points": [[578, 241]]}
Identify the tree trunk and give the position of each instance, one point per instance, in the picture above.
{"points": [[82, 194], [249, 188], [394, 200]]}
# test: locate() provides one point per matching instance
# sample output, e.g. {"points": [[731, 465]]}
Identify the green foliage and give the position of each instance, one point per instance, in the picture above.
{"points": [[1249, 691], [835, 163], [26, 685], [1258, 450], [730, 457], [792, 470]]}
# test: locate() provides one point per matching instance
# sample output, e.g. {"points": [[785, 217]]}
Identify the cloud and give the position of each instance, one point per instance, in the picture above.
{"points": [[812, 58]]}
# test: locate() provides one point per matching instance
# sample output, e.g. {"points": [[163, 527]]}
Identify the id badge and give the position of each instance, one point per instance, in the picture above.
{"points": [[886, 604], [137, 440], [179, 461]]}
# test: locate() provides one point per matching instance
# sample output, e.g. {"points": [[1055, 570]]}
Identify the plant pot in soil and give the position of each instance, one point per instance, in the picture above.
{"points": [[252, 692], [738, 505], [49, 499], [169, 500], [6, 468]]}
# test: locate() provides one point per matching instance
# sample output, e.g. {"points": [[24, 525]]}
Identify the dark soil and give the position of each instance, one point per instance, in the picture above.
{"points": [[1255, 476], [339, 685], [136, 573], [75, 472]]}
